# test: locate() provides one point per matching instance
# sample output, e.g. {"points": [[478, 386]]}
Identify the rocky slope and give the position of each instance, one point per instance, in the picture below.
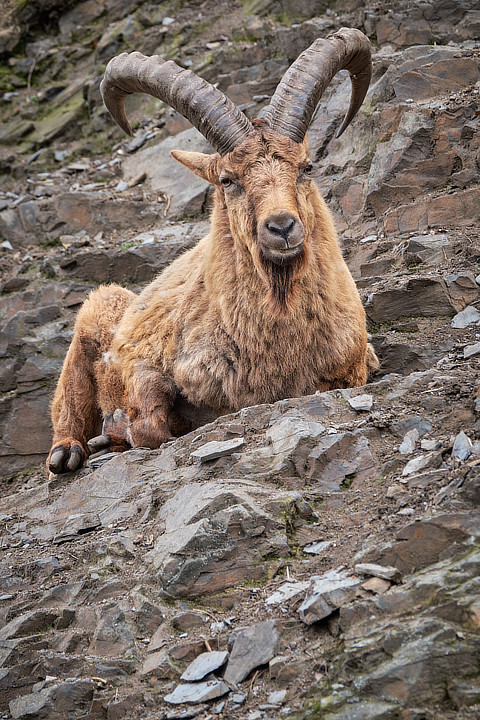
{"points": [[317, 558]]}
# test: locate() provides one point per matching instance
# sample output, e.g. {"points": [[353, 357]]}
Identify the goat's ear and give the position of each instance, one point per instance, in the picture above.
{"points": [[202, 165]]}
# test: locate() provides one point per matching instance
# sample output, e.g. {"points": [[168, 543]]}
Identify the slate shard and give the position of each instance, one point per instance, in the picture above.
{"points": [[255, 646]]}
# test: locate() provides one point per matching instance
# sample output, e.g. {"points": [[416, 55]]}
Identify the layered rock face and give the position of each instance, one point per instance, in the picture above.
{"points": [[316, 558]]}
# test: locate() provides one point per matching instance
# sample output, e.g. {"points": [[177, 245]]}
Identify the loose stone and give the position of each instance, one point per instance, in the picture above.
{"points": [[213, 450], [197, 692], [205, 664]]}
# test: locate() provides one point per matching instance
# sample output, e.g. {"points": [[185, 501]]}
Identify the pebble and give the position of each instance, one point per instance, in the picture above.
{"points": [[419, 463], [407, 446], [471, 350], [238, 698], [197, 692], [317, 548], [327, 593], [466, 317], [462, 447], [430, 445], [277, 697], [376, 585], [361, 403]]}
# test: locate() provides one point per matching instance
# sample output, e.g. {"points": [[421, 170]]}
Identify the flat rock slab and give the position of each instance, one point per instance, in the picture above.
{"points": [[379, 571], [213, 450], [326, 594], [255, 646], [471, 350], [166, 175], [464, 318], [204, 664], [197, 692], [287, 591]]}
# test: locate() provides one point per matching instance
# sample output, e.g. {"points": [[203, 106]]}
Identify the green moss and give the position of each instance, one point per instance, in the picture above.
{"points": [[129, 244], [347, 481], [6, 75], [59, 119], [55, 242]]}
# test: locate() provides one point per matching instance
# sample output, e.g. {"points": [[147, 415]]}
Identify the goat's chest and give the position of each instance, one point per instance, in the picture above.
{"points": [[227, 373]]}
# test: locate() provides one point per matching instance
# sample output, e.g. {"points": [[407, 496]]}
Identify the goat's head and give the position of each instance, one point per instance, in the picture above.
{"points": [[263, 185], [262, 168]]}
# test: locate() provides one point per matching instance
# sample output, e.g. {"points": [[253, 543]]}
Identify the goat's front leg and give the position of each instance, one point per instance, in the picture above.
{"points": [[149, 399], [75, 412], [146, 422]]}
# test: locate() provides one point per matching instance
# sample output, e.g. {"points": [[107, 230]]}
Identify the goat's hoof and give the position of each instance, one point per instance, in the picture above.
{"points": [[99, 443], [115, 435], [66, 456], [116, 424]]}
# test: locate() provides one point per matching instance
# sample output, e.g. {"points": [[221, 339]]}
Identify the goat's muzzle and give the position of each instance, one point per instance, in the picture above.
{"points": [[281, 237]]}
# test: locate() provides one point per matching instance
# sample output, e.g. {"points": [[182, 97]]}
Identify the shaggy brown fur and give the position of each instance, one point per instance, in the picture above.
{"points": [[224, 326]]}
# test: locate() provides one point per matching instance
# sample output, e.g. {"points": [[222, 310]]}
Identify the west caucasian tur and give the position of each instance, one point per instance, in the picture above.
{"points": [[263, 308]]}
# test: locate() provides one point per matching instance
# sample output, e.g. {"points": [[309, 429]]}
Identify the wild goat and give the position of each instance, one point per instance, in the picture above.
{"points": [[261, 309]]}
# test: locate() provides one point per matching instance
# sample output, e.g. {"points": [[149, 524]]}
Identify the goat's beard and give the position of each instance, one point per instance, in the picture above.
{"points": [[280, 279]]}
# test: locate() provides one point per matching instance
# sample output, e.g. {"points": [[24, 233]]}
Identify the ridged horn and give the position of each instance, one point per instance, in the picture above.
{"points": [[299, 91], [207, 108]]}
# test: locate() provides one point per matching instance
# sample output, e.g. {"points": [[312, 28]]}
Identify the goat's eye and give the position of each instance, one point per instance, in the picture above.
{"points": [[308, 169], [226, 182]]}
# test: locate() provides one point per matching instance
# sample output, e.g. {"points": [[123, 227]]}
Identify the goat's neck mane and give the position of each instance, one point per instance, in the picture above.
{"points": [[275, 285]]}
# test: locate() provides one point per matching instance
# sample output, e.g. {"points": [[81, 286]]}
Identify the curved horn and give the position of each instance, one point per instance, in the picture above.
{"points": [[206, 107], [296, 97]]}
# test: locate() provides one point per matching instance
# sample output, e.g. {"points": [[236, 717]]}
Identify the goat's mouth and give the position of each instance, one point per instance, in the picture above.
{"points": [[281, 237], [282, 256]]}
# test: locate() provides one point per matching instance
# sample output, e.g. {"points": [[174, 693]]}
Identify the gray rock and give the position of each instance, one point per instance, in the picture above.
{"points": [[197, 692], [252, 647], [78, 524], [407, 446], [466, 317], [204, 664], [287, 591], [213, 450], [430, 444], [462, 447], [64, 699], [336, 459], [238, 698], [317, 548], [286, 433], [361, 403], [326, 594], [425, 297], [471, 350], [159, 666], [379, 571], [186, 191], [431, 460]]}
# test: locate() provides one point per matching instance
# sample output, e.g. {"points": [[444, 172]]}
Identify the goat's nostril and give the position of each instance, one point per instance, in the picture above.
{"points": [[281, 225]]}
